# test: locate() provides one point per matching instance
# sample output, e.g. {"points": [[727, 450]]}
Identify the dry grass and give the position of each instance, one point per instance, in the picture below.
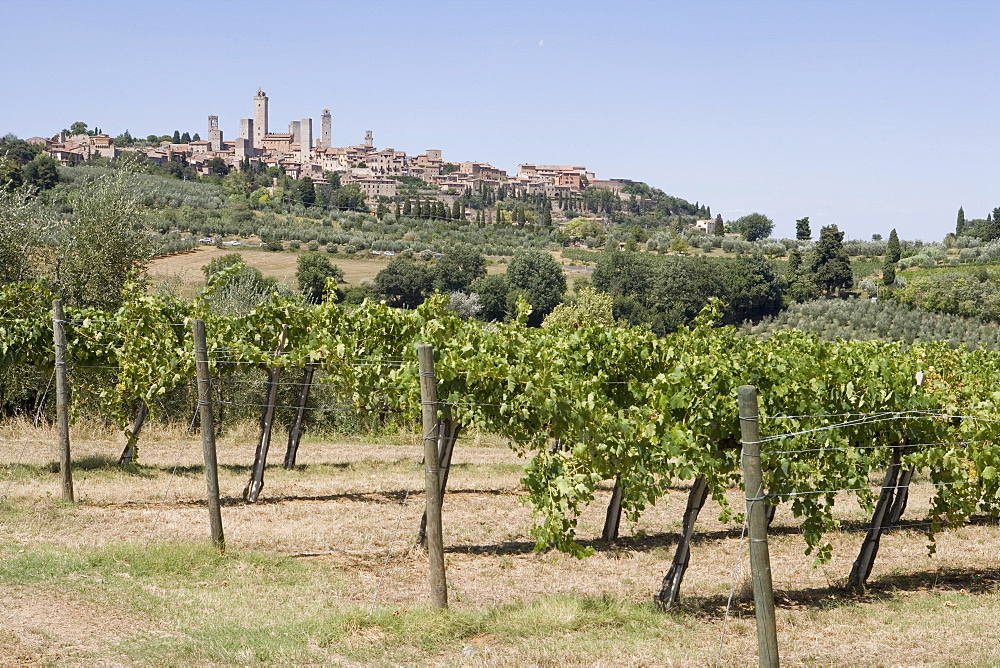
{"points": [[339, 523]]}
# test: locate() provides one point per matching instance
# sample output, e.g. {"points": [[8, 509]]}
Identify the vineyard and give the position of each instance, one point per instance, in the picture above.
{"points": [[906, 434]]}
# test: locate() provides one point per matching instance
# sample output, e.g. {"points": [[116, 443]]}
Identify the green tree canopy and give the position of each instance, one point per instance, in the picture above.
{"points": [[457, 269], [753, 226], [404, 283], [311, 274], [829, 262], [892, 251], [802, 231], [541, 278]]}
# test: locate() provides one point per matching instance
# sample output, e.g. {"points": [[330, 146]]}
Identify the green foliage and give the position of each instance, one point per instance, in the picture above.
{"points": [[457, 270], [802, 231], [865, 320], [667, 292], [829, 263], [404, 283], [754, 226], [892, 250], [541, 278], [312, 274], [586, 308]]}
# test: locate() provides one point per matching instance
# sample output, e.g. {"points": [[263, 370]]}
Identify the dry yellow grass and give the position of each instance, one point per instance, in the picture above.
{"points": [[342, 511]]}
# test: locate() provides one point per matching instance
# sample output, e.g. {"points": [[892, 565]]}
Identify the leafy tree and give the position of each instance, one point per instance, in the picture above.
{"points": [[349, 197], [311, 274], [889, 273], [22, 230], [10, 175], [588, 307], [185, 138], [78, 128], [103, 244], [493, 291], [540, 276], [177, 137], [960, 223], [892, 251], [407, 207], [720, 225], [456, 270], [404, 283], [829, 263], [754, 226], [303, 190], [195, 137], [41, 172], [802, 231], [217, 166], [235, 288]]}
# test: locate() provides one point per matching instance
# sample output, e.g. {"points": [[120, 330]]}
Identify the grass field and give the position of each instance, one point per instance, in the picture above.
{"points": [[323, 569]]}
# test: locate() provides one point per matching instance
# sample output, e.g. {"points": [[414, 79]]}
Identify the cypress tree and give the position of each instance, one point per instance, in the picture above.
{"points": [[407, 207], [889, 273], [960, 224], [177, 137], [802, 231], [892, 252]]}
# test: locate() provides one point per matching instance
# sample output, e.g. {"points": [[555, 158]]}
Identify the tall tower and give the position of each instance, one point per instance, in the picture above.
{"points": [[259, 118], [369, 141], [305, 139], [214, 133], [325, 129]]}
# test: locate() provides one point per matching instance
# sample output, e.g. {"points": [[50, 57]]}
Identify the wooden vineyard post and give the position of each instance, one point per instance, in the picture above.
{"points": [[62, 400], [760, 559], [208, 433], [448, 432], [432, 482], [862, 566], [613, 518], [671, 587]]}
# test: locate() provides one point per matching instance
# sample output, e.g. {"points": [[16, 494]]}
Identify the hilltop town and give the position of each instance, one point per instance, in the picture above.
{"points": [[301, 153]]}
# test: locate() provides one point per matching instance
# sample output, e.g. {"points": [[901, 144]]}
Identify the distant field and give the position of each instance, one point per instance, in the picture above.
{"points": [[186, 267]]}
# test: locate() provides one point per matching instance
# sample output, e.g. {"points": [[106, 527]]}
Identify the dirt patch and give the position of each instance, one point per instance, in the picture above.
{"points": [[44, 627]]}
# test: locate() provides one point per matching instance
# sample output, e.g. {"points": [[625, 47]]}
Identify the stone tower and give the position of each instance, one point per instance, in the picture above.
{"points": [[295, 129], [325, 129], [214, 133], [368, 138], [305, 139], [259, 118]]}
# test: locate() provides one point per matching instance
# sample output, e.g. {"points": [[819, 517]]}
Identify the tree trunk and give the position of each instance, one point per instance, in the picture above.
{"points": [[670, 589], [446, 446], [256, 483], [902, 496], [613, 518], [128, 454], [295, 432], [862, 567]]}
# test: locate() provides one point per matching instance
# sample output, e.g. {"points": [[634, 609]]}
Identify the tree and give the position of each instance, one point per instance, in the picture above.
{"points": [[304, 191], [492, 291], [540, 276], [185, 138], [104, 244], [720, 225], [457, 210], [892, 252], [41, 172], [829, 263], [10, 175], [960, 223], [235, 288], [311, 274], [195, 137], [456, 270], [22, 225], [78, 128], [177, 137], [802, 231], [889, 273], [586, 308], [404, 283], [754, 226]]}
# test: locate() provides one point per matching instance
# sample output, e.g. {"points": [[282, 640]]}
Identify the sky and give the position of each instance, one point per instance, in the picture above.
{"points": [[869, 115]]}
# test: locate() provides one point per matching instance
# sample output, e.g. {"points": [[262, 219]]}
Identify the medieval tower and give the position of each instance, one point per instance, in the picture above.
{"points": [[259, 118], [325, 129], [214, 133], [305, 139]]}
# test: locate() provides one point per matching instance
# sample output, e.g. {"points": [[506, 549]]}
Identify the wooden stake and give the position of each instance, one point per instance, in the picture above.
{"points": [[760, 559], [128, 454], [432, 482], [62, 400], [448, 434], [208, 433]]}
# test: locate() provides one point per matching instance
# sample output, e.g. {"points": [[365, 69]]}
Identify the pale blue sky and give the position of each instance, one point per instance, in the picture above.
{"points": [[870, 115]]}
